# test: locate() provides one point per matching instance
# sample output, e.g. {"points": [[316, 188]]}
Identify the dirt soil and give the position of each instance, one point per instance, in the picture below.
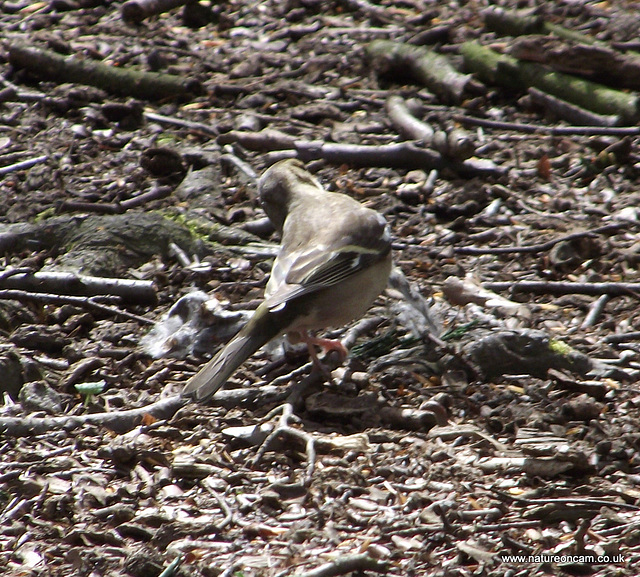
{"points": [[543, 466]]}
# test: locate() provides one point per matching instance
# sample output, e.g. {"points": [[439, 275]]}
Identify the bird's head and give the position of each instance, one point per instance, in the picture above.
{"points": [[281, 184]]}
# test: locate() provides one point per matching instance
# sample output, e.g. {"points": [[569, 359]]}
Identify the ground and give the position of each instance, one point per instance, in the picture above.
{"points": [[524, 464]]}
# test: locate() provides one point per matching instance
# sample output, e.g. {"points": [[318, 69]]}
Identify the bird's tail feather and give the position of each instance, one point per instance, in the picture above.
{"points": [[260, 329]]}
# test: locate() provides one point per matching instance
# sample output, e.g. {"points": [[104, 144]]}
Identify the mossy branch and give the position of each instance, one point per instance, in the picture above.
{"points": [[495, 68], [139, 84]]}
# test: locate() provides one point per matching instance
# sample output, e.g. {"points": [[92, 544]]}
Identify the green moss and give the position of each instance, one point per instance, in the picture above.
{"points": [[212, 232], [458, 332], [167, 139], [559, 347], [47, 213], [194, 226]]}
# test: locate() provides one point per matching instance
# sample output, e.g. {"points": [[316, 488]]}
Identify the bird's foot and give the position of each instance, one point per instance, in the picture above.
{"points": [[328, 345]]}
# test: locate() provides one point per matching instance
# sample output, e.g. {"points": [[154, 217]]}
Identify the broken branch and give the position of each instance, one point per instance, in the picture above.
{"points": [[430, 69], [504, 70], [81, 302], [69, 283], [146, 85], [570, 112], [119, 421], [454, 143], [401, 155]]}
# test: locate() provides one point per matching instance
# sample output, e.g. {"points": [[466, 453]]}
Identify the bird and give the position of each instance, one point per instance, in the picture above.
{"points": [[333, 262]]}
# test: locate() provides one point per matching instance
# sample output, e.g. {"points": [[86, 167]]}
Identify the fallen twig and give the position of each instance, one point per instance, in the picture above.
{"points": [[567, 288], [224, 507], [254, 396], [116, 207], [595, 310], [491, 527], [347, 564], [23, 165], [243, 167], [135, 11], [265, 139], [401, 155], [543, 246], [373, 11], [407, 155], [566, 381], [283, 428], [584, 501], [454, 144], [553, 130], [82, 302], [407, 123], [623, 337], [171, 569], [93, 207], [190, 124]]}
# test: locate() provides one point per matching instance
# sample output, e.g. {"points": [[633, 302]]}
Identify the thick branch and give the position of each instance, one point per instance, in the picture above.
{"points": [[506, 71], [518, 23], [427, 67], [595, 62], [402, 155], [69, 283], [119, 421], [570, 112], [146, 85]]}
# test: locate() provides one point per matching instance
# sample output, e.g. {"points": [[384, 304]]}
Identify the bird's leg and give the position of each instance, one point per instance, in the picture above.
{"points": [[328, 345]]}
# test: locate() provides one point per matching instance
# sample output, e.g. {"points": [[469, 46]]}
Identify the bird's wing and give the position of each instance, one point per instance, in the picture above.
{"points": [[308, 270]]}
